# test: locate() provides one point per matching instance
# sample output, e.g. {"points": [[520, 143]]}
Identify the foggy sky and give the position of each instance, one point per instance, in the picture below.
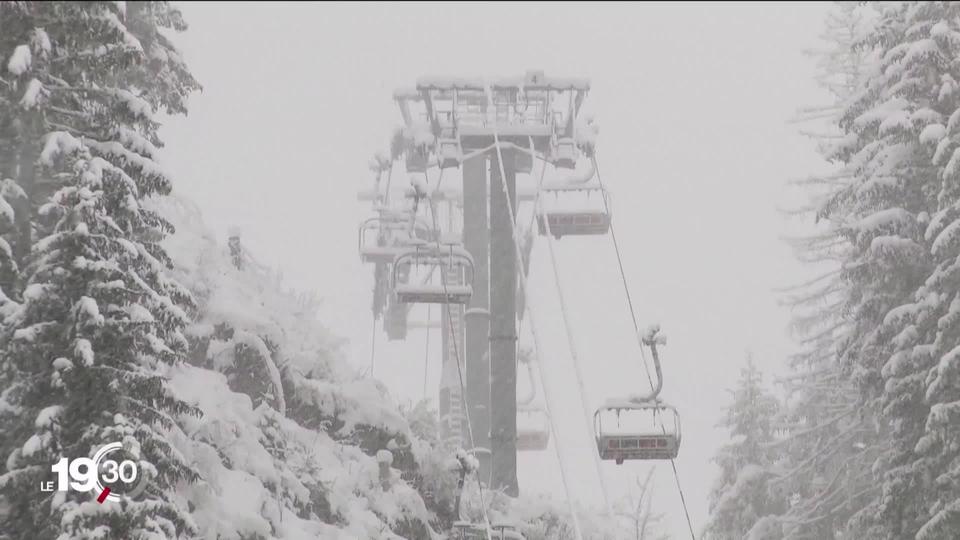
{"points": [[692, 102]]}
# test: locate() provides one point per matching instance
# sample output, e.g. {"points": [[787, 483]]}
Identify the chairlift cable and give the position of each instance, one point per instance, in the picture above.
{"points": [[426, 354], [373, 345], [643, 356]]}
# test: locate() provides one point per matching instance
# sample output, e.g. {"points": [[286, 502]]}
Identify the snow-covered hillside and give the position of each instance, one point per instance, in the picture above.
{"points": [[257, 348]]}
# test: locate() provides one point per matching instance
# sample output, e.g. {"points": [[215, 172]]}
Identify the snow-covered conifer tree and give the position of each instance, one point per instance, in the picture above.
{"points": [[99, 319], [741, 495]]}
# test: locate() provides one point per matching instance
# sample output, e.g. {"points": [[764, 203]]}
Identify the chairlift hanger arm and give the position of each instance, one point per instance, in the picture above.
{"points": [[651, 340]]}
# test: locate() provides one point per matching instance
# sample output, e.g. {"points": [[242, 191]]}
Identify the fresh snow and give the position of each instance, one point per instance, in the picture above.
{"points": [[20, 60], [88, 307], [84, 350], [56, 144], [32, 446], [41, 41], [47, 416], [32, 94], [62, 363]]}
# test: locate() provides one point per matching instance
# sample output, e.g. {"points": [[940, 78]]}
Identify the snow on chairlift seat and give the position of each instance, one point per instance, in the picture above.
{"points": [[432, 255], [580, 220], [661, 440], [379, 254], [399, 239], [413, 293]]}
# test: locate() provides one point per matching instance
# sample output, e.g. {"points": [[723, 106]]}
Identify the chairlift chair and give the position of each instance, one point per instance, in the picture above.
{"points": [[565, 153], [445, 256], [658, 440], [588, 219], [372, 245], [533, 428]]}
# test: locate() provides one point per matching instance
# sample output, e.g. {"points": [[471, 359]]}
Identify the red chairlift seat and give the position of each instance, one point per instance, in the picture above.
{"points": [[661, 440], [583, 221]]}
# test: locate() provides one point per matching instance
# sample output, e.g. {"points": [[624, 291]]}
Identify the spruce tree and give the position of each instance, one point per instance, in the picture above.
{"points": [[889, 210], [99, 319], [741, 495], [920, 492]]}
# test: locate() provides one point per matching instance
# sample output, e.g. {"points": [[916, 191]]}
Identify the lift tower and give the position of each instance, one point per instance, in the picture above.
{"points": [[504, 123]]}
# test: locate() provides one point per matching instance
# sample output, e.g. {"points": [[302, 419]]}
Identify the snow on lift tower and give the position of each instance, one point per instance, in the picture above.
{"points": [[640, 427], [425, 255], [533, 113], [576, 208]]}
